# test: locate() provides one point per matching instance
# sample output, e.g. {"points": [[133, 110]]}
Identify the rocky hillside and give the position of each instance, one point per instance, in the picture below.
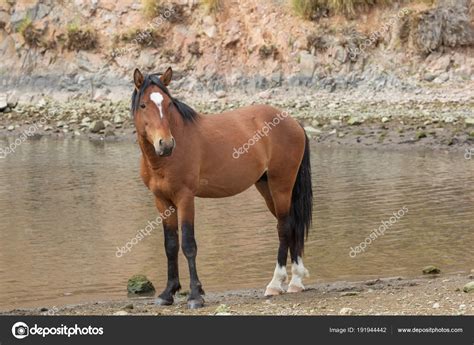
{"points": [[89, 48]]}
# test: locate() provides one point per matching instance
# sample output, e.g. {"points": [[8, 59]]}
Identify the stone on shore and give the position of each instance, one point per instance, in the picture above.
{"points": [[96, 126], [431, 270], [139, 284], [3, 101], [346, 311], [469, 287]]}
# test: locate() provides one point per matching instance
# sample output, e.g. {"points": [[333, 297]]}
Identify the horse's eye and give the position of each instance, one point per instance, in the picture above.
{"points": [[142, 105]]}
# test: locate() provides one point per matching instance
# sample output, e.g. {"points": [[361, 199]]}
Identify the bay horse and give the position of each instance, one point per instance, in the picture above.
{"points": [[187, 155]]}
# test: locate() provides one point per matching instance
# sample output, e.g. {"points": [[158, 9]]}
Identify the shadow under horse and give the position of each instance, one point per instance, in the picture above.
{"points": [[187, 155]]}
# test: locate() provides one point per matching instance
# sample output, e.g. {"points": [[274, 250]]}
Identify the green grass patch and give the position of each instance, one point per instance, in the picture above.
{"points": [[420, 135]]}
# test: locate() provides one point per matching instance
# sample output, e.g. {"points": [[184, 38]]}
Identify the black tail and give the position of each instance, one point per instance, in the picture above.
{"points": [[301, 210]]}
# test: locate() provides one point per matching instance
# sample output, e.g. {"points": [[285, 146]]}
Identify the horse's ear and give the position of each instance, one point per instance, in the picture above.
{"points": [[166, 77], [138, 78]]}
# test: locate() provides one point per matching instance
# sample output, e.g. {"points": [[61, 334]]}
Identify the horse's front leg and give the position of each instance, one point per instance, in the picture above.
{"points": [[170, 229], [186, 220]]}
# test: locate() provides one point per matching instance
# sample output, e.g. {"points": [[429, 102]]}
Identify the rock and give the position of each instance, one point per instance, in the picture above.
{"points": [[445, 25], [307, 64], [315, 123], [121, 313], [354, 121], [96, 126], [222, 310], [469, 121], [431, 270], [442, 78], [12, 101], [312, 130], [436, 305], [139, 284], [267, 94], [10, 128], [118, 119], [128, 306], [429, 77], [3, 102], [469, 287], [61, 124], [449, 119], [221, 94], [346, 311], [349, 293], [41, 103], [385, 119], [109, 132]]}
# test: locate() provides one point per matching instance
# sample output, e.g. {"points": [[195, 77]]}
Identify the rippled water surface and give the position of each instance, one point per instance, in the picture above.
{"points": [[65, 207]]}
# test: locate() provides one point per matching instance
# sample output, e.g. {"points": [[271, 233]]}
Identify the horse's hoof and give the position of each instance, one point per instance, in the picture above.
{"points": [[294, 288], [163, 301], [270, 291], [195, 303]]}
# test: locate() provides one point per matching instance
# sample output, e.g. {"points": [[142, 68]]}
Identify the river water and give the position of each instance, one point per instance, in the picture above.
{"points": [[66, 205]]}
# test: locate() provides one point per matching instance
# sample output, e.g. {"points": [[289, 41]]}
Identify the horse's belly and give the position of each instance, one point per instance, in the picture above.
{"points": [[209, 189]]}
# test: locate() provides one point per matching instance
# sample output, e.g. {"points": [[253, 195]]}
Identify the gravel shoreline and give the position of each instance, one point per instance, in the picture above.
{"points": [[440, 294], [434, 120]]}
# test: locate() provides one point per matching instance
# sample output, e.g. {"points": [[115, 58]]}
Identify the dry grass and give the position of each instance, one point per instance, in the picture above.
{"points": [[31, 35], [266, 51], [80, 39], [212, 6], [150, 8], [308, 8]]}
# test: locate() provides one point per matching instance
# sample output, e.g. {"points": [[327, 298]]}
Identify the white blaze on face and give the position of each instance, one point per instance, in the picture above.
{"points": [[157, 98]]}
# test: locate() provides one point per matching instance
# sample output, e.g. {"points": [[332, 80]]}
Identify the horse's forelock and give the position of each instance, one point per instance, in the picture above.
{"points": [[186, 112]]}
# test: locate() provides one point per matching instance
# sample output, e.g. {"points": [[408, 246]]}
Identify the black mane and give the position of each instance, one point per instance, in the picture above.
{"points": [[187, 113]]}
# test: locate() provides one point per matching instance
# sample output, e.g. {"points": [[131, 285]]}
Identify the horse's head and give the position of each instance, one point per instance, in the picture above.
{"points": [[151, 111]]}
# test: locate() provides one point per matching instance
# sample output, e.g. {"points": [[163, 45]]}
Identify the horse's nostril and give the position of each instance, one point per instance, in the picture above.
{"points": [[160, 142]]}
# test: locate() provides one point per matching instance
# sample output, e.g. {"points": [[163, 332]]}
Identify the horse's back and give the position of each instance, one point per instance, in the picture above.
{"points": [[258, 117]]}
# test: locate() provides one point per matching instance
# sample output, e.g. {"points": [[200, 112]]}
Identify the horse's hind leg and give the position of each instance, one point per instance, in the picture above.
{"points": [[298, 271], [262, 187], [281, 202]]}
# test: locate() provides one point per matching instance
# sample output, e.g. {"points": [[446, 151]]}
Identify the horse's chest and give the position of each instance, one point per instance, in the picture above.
{"points": [[160, 186]]}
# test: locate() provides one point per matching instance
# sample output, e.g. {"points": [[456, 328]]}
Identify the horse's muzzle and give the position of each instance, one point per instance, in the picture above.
{"points": [[164, 148]]}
